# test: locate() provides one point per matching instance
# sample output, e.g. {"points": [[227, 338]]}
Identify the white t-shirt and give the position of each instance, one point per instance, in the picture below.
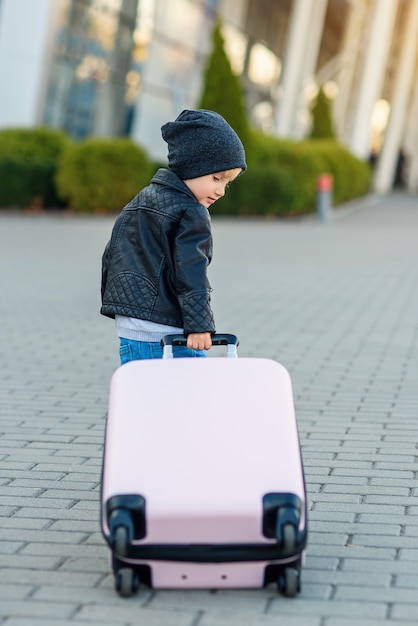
{"points": [[143, 330]]}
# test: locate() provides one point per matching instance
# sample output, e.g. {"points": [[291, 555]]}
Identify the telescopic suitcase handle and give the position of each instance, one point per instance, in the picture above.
{"points": [[219, 339]]}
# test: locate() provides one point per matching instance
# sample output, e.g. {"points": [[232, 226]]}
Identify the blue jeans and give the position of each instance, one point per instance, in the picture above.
{"points": [[130, 350]]}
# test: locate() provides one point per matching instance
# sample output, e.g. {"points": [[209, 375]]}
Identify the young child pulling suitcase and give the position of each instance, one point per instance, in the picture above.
{"points": [[194, 494]]}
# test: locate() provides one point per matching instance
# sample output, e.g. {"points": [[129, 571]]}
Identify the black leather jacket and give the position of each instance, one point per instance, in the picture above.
{"points": [[155, 264]]}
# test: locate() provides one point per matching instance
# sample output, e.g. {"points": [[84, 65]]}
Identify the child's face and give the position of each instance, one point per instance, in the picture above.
{"points": [[207, 189]]}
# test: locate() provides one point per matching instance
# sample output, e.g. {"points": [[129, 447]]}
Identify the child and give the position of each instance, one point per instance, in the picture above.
{"points": [[154, 268]]}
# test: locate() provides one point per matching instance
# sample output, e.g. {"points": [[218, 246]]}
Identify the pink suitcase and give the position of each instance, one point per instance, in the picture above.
{"points": [[203, 483]]}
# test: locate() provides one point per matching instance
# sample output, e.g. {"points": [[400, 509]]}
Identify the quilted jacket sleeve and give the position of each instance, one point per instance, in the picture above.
{"points": [[192, 255], [105, 269]]}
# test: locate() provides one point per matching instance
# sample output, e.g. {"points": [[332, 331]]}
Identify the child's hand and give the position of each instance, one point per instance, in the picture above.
{"points": [[199, 341]]}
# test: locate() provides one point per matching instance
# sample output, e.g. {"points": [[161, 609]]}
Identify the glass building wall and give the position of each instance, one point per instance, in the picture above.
{"points": [[123, 67], [96, 66]]}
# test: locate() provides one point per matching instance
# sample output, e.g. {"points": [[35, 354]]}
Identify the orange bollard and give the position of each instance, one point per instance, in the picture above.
{"points": [[324, 188]]}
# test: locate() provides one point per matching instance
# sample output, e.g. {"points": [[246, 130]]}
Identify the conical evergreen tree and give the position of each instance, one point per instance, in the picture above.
{"points": [[222, 91], [322, 126]]}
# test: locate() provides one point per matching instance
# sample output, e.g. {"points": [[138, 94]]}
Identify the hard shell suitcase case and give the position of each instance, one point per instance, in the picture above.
{"points": [[202, 482]]}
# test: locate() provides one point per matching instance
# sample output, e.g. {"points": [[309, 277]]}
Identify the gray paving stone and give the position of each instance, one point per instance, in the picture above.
{"points": [[131, 616], [6, 511], [88, 565], [30, 609], [344, 578], [243, 619], [412, 510], [30, 562], [320, 608], [320, 562], [367, 491], [21, 491], [352, 551], [74, 494], [45, 536], [330, 538], [44, 503], [360, 508], [83, 466], [386, 565], [254, 601], [11, 522], [86, 594], [59, 513], [9, 591], [84, 526], [48, 484], [353, 529], [385, 540], [56, 578], [338, 621], [407, 581], [405, 501], [89, 505], [408, 554], [69, 550], [391, 595], [9, 547], [45, 621]]}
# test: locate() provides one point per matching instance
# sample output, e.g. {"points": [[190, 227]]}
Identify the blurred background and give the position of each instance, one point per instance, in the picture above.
{"points": [[122, 68]]}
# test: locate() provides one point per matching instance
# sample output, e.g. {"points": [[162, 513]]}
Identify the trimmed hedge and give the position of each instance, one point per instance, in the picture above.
{"points": [[44, 168], [261, 190], [102, 174], [282, 174], [28, 163]]}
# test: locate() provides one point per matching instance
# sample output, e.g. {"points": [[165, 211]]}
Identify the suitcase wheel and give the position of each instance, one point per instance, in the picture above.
{"points": [[126, 582], [121, 540], [287, 535], [288, 582], [281, 521]]}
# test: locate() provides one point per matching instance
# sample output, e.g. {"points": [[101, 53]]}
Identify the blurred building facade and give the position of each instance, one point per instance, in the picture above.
{"points": [[124, 67]]}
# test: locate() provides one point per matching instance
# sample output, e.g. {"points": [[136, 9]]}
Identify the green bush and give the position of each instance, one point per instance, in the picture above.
{"points": [[43, 167], [102, 174], [282, 176], [28, 162], [262, 190]]}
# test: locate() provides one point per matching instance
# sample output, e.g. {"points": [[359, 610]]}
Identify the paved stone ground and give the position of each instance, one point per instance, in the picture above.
{"points": [[336, 303]]}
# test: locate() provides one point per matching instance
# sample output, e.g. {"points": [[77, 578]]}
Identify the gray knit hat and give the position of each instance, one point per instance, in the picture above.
{"points": [[201, 142]]}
